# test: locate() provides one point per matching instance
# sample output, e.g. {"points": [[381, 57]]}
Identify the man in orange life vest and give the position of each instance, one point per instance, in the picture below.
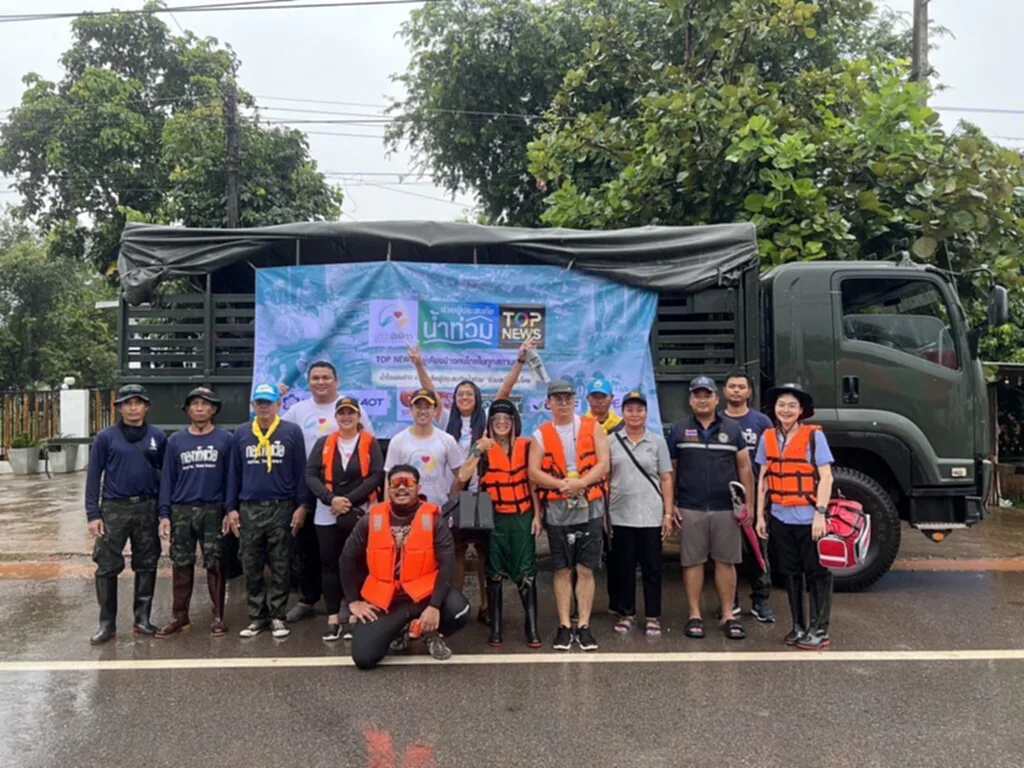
{"points": [[407, 548], [569, 461]]}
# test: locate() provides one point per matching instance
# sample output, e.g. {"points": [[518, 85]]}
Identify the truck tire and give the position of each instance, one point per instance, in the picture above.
{"points": [[885, 528]]}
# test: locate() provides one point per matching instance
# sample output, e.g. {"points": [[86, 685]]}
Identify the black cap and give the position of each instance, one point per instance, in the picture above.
{"points": [[204, 393], [423, 394], [503, 406], [794, 389], [634, 396], [128, 391], [704, 382], [348, 402]]}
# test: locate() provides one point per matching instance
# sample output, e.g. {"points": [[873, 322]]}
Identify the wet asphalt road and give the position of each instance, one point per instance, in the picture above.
{"points": [[891, 693]]}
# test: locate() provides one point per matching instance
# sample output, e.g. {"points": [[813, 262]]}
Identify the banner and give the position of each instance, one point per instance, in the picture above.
{"points": [[469, 322]]}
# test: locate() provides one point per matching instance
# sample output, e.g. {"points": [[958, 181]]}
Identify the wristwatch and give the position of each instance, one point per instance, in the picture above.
{"points": [[475, 451], [821, 508]]}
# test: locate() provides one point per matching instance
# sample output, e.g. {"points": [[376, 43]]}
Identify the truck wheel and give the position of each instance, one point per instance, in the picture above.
{"points": [[885, 529]]}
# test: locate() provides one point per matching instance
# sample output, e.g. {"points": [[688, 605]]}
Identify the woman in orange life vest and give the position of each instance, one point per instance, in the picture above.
{"points": [[406, 547], [501, 458], [344, 471], [796, 477]]}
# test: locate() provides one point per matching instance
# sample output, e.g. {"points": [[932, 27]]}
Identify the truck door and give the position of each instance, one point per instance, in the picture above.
{"points": [[902, 368]]}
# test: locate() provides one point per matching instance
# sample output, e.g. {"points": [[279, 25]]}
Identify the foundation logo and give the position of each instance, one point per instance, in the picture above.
{"points": [[522, 323], [393, 322], [424, 462], [458, 326]]}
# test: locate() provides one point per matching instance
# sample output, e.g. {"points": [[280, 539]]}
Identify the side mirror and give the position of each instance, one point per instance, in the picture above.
{"points": [[999, 307]]}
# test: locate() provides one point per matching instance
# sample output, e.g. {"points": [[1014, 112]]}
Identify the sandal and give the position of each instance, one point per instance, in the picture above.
{"points": [[625, 625], [652, 628], [694, 629], [733, 630]]}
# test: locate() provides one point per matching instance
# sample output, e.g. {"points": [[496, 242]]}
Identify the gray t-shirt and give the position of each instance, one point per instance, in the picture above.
{"points": [[559, 512], [634, 502]]}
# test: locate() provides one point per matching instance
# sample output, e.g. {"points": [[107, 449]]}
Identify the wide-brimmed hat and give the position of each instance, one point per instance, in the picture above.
{"points": [[129, 391], [790, 388], [203, 393]]}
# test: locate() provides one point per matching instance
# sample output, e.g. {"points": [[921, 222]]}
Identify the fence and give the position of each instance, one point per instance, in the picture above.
{"points": [[37, 414]]}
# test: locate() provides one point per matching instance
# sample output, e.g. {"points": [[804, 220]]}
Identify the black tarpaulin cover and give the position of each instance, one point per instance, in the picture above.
{"points": [[663, 259]]}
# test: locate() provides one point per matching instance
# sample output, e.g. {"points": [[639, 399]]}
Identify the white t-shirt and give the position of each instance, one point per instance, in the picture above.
{"points": [[466, 432], [317, 420], [323, 513], [569, 434], [437, 458]]}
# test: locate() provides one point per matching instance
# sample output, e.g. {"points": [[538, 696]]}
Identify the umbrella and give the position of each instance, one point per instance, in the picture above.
{"points": [[742, 514]]}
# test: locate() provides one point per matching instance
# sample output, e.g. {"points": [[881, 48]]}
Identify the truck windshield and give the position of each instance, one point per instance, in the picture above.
{"points": [[908, 315]]}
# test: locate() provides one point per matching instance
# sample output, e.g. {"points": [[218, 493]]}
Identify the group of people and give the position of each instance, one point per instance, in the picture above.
{"points": [[312, 497]]}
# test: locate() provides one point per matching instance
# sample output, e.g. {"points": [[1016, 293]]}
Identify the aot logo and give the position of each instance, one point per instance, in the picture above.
{"points": [[393, 322], [457, 325], [522, 323], [374, 402]]}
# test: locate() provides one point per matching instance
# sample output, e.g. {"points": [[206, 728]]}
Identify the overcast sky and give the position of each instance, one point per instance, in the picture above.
{"points": [[349, 54]]}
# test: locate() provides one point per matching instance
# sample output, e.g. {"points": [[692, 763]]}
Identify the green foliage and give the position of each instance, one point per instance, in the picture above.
{"points": [[49, 326], [135, 130], [24, 440]]}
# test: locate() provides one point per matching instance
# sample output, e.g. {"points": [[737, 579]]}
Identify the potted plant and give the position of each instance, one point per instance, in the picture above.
{"points": [[62, 457], [23, 454]]}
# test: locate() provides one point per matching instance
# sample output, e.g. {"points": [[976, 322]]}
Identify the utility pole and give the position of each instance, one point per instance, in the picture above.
{"points": [[231, 128], [920, 70]]}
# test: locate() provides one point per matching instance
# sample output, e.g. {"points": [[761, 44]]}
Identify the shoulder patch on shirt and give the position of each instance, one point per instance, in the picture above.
{"points": [[690, 433], [723, 437]]}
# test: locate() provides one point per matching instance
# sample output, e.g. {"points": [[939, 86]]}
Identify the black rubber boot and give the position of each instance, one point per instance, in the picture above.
{"points": [[795, 593], [821, 606], [106, 596], [145, 585], [495, 602], [528, 594]]}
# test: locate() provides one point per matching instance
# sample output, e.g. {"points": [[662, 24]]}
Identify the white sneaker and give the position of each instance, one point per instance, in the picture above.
{"points": [[280, 629], [253, 629]]}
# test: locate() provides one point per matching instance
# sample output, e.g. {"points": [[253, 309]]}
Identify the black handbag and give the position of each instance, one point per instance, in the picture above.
{"points": [[471, 511]]}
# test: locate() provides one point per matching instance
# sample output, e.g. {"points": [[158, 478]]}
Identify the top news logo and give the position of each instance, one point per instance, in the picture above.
{"points": [[455, 325]]}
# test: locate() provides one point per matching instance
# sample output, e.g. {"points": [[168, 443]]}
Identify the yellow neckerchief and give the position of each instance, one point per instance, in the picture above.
{"points": [[610, 423], [263, 441]]}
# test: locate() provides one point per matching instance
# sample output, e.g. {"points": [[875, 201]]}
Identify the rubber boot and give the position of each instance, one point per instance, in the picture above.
{"points": [[106, 596], [217, 585], [817, 638], [183, 579], [145, 586], [528, 594], [795, 593], [494, 600]]}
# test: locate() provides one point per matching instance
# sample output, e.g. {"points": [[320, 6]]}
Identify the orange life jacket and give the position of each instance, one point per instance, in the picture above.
{"points": [[419, 567], [362, 450], [507, 480], [554, 458], [792, 479]]}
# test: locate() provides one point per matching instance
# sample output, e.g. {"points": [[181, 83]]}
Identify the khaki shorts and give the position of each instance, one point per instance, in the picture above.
{"points": [[710, 535]]}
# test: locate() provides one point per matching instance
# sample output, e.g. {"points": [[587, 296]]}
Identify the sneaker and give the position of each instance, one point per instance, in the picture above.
{"points": [[761, 611], [346, 631], [299, 612], [333, 633], [586, 640], [253, 629], [437, 648], [400, 643], [563, 639], [280, 629]]}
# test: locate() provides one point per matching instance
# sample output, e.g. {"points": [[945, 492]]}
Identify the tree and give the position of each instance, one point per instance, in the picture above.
{"points": [[109, 140], [49, 326]]}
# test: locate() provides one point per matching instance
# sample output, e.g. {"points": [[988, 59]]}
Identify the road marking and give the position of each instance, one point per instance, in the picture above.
{"points": [[1010, 565], [741, 657]]}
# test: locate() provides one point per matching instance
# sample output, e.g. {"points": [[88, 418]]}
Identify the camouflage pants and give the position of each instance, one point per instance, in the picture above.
{"points": [[191, 525], [124, 521], [266, 540]]}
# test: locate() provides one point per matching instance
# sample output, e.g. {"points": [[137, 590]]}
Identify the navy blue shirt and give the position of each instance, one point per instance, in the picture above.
{"points": [[705, 462], [753, 424], [195, 469], [248, 478], [123, 469]]}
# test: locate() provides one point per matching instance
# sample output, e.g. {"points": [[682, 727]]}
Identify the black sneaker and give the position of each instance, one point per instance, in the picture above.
{"points": [[333, 633], [563, 639], [586, 639]]}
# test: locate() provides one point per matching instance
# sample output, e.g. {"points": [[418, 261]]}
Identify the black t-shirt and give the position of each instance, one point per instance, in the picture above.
{"points": [[705, 461]]}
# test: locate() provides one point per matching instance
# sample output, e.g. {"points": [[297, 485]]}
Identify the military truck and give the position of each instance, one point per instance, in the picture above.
{"points": [[884, 347]]}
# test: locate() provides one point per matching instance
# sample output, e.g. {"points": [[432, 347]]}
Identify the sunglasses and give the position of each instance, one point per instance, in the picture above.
{"points": [[402, 482]]}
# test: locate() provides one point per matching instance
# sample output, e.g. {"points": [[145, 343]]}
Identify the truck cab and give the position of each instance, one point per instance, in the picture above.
{"points": [[886, 351]]}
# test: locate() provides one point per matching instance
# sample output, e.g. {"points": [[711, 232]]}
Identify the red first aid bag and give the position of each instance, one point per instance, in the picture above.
{"points": [[846, 543]]}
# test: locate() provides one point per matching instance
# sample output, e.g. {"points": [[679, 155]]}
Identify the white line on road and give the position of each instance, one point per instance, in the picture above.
{"points": [[742, 657]]}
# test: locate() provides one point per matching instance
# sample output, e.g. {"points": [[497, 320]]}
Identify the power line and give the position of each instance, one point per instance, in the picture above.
{"points": [[229, 7]]}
